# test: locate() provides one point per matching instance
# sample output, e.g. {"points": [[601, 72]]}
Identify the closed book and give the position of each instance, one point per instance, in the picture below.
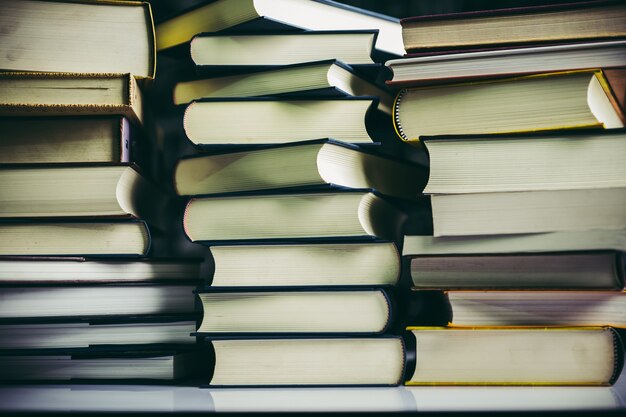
{"points": [[262, 311], [154, 331], [67, 139], [75, 238], [79, 191], [538, 308], [520, 25], [560, 160], [305, 264], [78, 36], [325, 163], [575, 240], [529, 211], [515, 356], [216, 52], [313, 79], [70, 94], [565, 270], [351, 215], [40, 302], [504, 61], [136, 365], [258, 14], [317, 361], [540, 102], [81, 270], [263, 120]]}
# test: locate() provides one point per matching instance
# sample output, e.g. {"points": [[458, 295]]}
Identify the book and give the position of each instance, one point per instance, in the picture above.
{"points": [[348, 215], [537, 308], [561, 241], [113, 365], [426, 356], [540, 102], [68, 94], [291, 311], [79, 270], [251, 15], [518, 356], [528, 211], [520, 25], [322, 163], [505, 61], [71, 301], [587, 159], [259, 120], [85, 334], [307, 361], [313, 264], [602, 270], [319, 78], [84, 139], [271, 49], [78, 37], [111, 238], [75, 191]]}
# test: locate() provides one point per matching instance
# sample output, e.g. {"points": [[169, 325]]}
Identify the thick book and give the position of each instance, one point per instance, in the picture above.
{"points": [[585, 159], [426, 356], [129, 331], [537, 308], [313, 264], [78, 36], [539, 102], [521, 25], [263, 311], [263, 120], [259, 14], [602, 270], [137, 365], [303, 165], [84, 238], [350, 215], [38, 302], [69, 94], [269, 49], [576, 240], [326, 78], [448, 66], [493, 213], [515, 356], [79, 191], [80, 270], [68, 139]]}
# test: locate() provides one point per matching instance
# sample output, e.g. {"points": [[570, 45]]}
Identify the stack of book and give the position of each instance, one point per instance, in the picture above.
{"points": [[524, 130], [80, 295], [300, 209]]}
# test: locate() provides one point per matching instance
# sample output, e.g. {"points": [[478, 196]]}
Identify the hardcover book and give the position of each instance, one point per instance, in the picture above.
{"points": [[312, 264], [318, 79], [84, 139], [347, 215], [69, 94], [566, 270], [101, 238], [299, 165], [249, 121], [86, 36], [541, 102], [520, 25]]}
